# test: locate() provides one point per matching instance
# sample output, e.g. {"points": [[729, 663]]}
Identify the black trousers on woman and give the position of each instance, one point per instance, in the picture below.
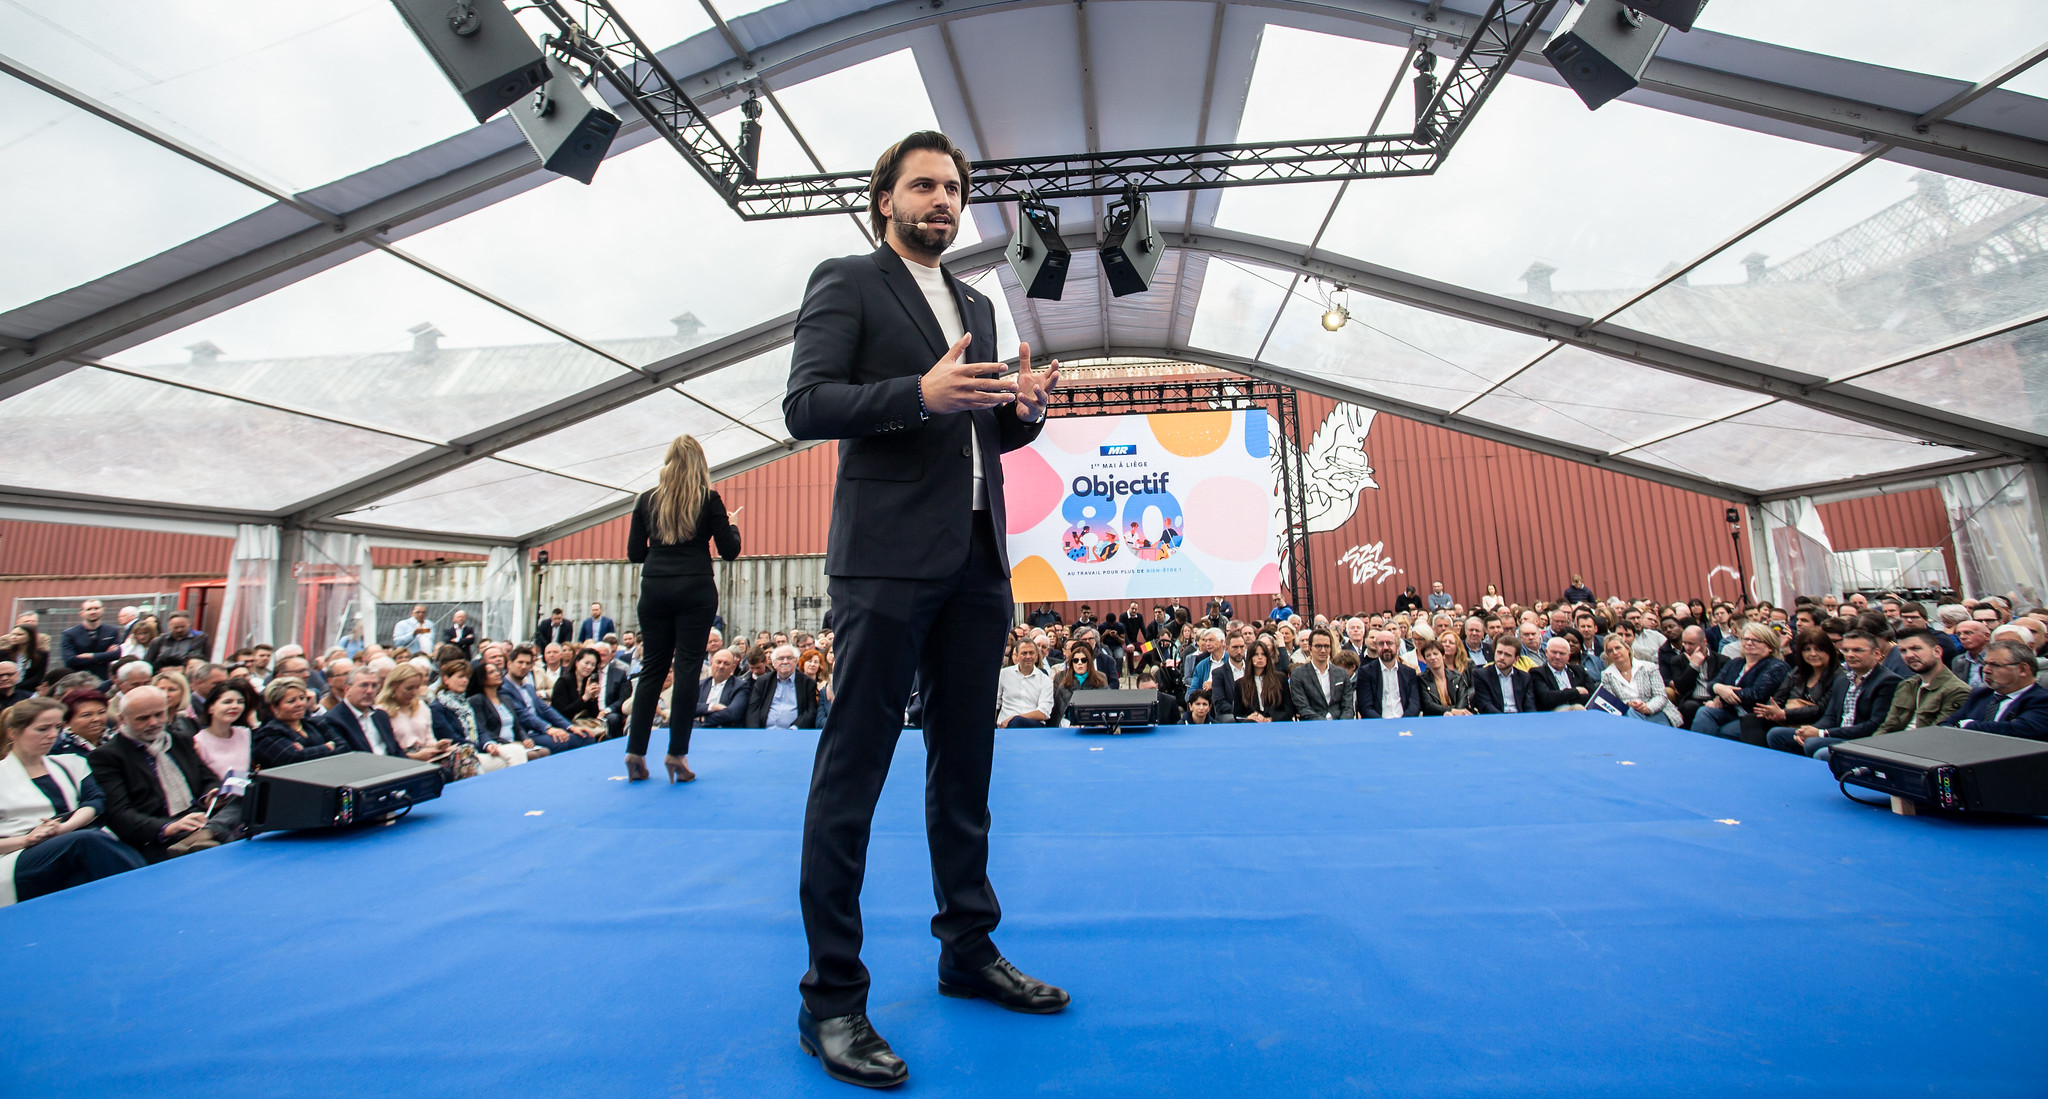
{"points": [[675, 622], [73, 858]]}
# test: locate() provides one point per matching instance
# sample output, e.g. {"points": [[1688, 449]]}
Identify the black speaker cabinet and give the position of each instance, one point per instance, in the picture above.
{"points": [[350, 788], [1130, 258], [481, 49], [1679, 15], [567, 124], [1601, 49], [1037, 254]]}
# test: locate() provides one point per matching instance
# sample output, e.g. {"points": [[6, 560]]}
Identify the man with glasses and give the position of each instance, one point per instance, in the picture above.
{"points": [[2009, 703], [1322, 691], [1856, 707]]}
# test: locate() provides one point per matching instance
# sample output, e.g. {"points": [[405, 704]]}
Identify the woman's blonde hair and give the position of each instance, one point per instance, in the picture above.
{"points": [[678, 497], [399, 677]]}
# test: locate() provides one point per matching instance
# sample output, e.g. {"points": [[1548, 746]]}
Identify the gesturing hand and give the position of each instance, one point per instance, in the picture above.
{"points": [[1033, 390], [953, 386]]}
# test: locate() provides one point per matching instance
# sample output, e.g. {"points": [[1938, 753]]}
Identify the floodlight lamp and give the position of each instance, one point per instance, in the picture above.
{"points": [[1335, 313]]}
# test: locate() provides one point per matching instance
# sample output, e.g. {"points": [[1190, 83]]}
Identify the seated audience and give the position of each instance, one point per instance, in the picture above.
{"points": [[157, 789], [1262, 694], [357, 722], [401, 700], [1742, 684], [504, 722], [1446, 691], [1385, 686], [816, 664], [1931, 693], [1201, 710], [1023, 690], [291, 736], [1502, 687], [1637, 683], [50, 806], [85, 722], [11, 689], [1859, 703], [538, 720], [1078, 674], [178, 643], [2009, 703], [1560, 683], [1321, 690], [722, 696], [457, 718], [1808, 684], [785, 698], [1689, 674], [1169, 706], [223, 742], [577, 691]]}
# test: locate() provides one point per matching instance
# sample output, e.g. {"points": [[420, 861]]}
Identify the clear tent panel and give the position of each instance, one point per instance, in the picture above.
{"points": [[2002, 380], [1784, 445], [1889, 261], [1238, 304], [97, 432], [343, 343], [489, 498], [1582, 397], [750, 391], [1396, 350], [1939, 39], [86, 198], [1541, 199], [299, 94], [625, 447]]}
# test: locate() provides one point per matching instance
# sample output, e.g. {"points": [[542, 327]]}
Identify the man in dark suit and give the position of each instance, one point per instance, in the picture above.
{"points": [[459, 633], [1855, 708], [1321, 690], [597, 626], [784, 698], [1560, 683], [894, 358], [358, 722], [1224, 675], [553, 630], [158, 821], [1500, 687], [2009, 703], [722, 697], [1383, 667], [92, 645], [1689, 672]]}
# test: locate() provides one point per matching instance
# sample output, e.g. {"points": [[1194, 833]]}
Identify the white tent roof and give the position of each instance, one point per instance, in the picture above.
{"points": [[264, 255]]}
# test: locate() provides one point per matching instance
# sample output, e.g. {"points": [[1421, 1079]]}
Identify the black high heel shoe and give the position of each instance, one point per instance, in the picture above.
{"points": [[679, 769], [636, 768]]}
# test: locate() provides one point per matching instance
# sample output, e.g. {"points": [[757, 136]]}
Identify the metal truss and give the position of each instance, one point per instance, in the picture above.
{"points": [[1220, 395], [595, 34]]}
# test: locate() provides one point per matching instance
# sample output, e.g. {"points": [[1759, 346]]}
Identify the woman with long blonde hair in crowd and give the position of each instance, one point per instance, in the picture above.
{"points": [[674, 524]]}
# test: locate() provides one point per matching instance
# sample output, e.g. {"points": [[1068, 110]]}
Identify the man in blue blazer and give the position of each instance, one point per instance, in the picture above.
{"points": [[1500, 687], [358, 722], [1865, 673], [722, 698], [2009, 703], [596, 626], [1383, 664]]}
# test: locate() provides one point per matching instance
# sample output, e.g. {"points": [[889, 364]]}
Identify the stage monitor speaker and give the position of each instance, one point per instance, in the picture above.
{"points": [[481, 49], [1950, 768], [350, 788], [1113, 708], [1131, 251], [1679, 15], [567, 124], [1601, 49], [1037, 255]]}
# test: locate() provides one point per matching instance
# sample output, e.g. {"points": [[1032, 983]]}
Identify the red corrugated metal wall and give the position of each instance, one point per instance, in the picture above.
{"points": [[1916, 518], [61, 549], [782, 509]]}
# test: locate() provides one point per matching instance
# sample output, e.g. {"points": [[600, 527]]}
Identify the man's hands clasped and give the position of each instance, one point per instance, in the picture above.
{"points": [[955, 386]]}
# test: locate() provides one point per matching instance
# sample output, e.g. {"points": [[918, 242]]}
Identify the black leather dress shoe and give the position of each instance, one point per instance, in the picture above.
{"points": [[850, 1049], [1000, 982]]}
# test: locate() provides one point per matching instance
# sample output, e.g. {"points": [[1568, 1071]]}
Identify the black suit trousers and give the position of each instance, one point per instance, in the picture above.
{"points": [[949, 634], [675, 624]]}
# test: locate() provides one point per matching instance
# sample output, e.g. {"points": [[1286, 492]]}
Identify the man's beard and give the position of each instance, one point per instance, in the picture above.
{"points": [[931, 240]]}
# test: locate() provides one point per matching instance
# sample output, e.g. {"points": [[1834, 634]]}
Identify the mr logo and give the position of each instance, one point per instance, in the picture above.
{"points": [[1119, 450]]}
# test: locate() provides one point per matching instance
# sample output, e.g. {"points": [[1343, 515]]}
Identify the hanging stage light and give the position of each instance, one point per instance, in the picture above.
{"points": [[567, 123], [1335, 313], [481, 49], [1425, 91], [1036, 253], [1130, 249]]}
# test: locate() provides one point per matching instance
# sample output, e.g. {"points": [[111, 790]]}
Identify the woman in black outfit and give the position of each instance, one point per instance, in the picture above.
{"points": [[674, 524], [576, 689]]}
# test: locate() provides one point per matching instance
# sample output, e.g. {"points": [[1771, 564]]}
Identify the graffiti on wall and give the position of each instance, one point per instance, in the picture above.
{"points": [[1335, 469], [1368, 562]]}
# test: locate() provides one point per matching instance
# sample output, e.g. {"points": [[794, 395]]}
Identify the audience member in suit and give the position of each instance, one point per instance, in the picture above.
{"points": [[618, 691], [553, 630], [50, 806], [358, 722], [1689, 679], [459, 720], [785, 698], [1225, 673], [1262, 694], [506, 720], [1856, 707], [1321, 691], [535, 718], [1443, 691], [1560, 683], [1385, 686], [460, 634], [2009, 703], [156, 787], [1741, 685], [1500, 687], [722, 698], [597, 626]]}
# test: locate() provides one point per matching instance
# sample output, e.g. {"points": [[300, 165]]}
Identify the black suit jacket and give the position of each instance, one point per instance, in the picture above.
{"points": [[1486, 696], [1306, 689], [2027, 717], [864, 337], [734, 696], [1543, 685], [550, 633], [1369, 685], [341, 721], [136, 810], [761, 694], [462, 637], [1873, 702]]}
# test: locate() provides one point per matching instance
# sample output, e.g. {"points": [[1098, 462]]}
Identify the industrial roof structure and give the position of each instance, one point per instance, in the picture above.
{"points": [[263, 267]]}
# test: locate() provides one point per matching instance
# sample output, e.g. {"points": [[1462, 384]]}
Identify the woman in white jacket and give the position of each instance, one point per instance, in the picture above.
{"points": [[48, 804], [1636, 681]]}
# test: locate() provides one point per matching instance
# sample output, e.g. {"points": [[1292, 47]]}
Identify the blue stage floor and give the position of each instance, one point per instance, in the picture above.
{"points": [[1546, 905]]}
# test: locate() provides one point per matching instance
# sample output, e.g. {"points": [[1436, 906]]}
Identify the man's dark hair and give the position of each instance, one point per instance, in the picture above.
{"points": [[1863, 635], [1926, 635], [1874, 623], [889, 166]]}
